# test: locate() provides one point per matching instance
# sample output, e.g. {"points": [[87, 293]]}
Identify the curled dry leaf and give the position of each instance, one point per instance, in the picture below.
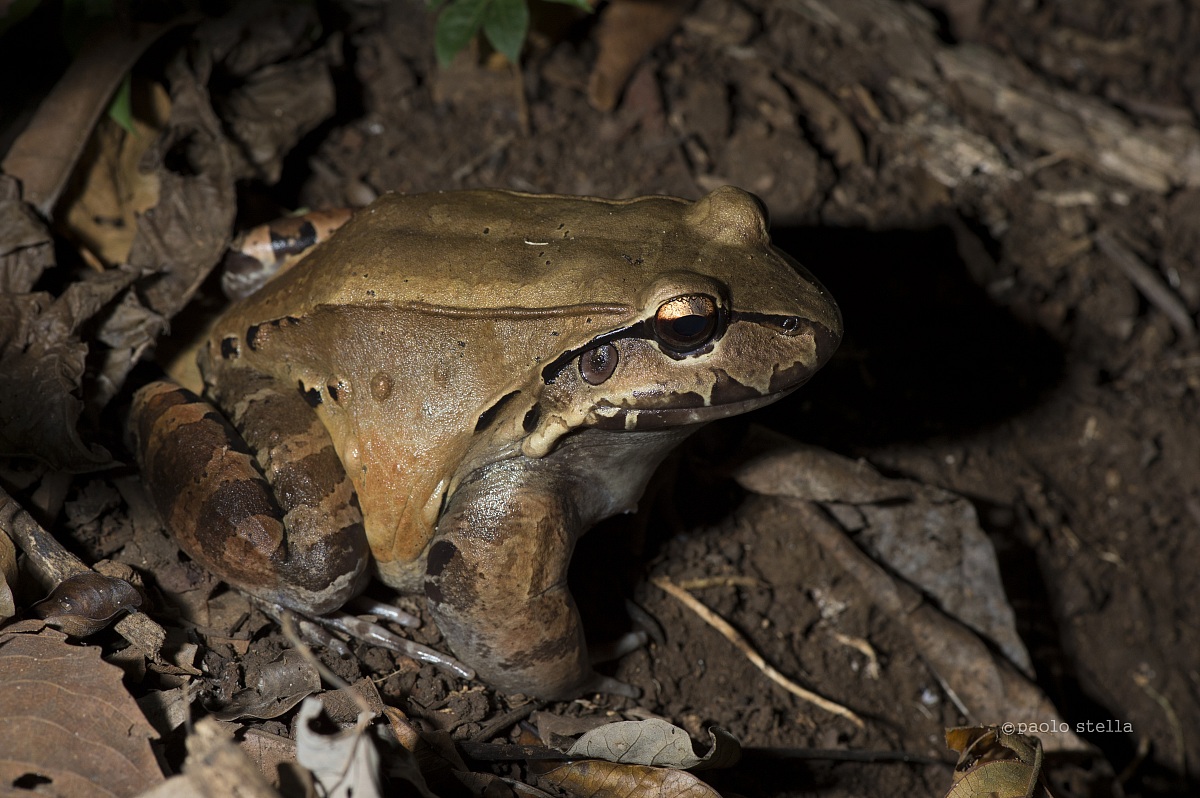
{"points": [[44, 156], [655, 742], [628, 30], [215, 766], [345, 763], [267, 115], [68, 720], [829, 123], [85, 603], [8, 575], [597, 779], [993, 763], [109, 192]]}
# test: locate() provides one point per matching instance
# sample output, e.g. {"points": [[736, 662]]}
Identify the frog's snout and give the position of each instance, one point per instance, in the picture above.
{"points": [[825, 343]]}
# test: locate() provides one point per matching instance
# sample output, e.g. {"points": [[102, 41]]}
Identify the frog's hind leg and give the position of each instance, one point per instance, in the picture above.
{"points": [[308, 550], [284, 527]]}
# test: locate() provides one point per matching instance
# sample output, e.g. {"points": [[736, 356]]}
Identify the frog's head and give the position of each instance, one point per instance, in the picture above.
{"points": [[724, 324]]}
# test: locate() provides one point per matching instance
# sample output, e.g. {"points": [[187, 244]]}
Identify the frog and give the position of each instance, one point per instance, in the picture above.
{"points": [[448, 391]]}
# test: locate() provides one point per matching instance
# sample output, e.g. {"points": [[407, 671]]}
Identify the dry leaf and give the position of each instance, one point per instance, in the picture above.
{"points": [[45, 154], [26, 248], [85, 603], [109, 191], [40, 352], [68, 722], [8, 575], [927, 535], [831, 125], [274, 689], [596, 779], [655, 742], [985, 685], [267, 116], [215, 768], [269, 752], [627, 31], [344, 764], [993, 763]]}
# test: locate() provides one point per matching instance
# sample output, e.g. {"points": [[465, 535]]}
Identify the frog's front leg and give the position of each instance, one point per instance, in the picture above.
{"points": [[294, 539], [496, 582]]}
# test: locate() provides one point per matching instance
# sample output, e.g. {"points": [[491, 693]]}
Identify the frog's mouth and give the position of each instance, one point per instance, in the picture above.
{"points": [[631, 418]]}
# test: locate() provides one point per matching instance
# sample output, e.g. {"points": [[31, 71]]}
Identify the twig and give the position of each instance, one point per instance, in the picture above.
{"points": [[1148, 282], [743, 645], [504, 752], [1172, 717], [505, 721], [842, 755]]}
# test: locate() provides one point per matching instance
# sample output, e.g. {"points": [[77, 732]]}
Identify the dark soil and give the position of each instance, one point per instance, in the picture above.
{"points": [[992, 349]]}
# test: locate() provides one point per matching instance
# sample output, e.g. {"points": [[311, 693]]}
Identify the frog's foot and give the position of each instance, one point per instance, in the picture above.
{"points": [[611, 686], [328, 630], [613, 650]]}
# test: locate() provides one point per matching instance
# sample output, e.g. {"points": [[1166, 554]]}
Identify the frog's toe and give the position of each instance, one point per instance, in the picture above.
{"points": [[376, 635], [611, 686], [615, 649], [369, 606], [317, 635], [329, 630]]}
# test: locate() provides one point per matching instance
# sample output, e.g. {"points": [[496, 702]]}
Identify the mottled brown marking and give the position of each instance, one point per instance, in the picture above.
{"points": [[223, 512]]}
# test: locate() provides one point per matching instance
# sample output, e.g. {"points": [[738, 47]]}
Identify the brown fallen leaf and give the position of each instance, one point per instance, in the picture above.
{"points": [[984, 685], [597, 779], [655, 742], [68, 721], [109, 191], [993, 763], [626, 32], [274, 688], [929, 536], [44, 155], [8, 577], [85, 603]]}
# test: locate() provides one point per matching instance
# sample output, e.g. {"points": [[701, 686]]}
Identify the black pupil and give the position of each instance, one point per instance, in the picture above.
{"points": [[689, 326]]}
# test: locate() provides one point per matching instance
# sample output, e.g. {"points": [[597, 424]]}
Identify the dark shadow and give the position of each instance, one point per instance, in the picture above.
{"points": [[926, 351]]}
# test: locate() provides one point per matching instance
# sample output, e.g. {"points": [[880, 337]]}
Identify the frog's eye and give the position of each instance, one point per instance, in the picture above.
{"points": [[686, 322]]}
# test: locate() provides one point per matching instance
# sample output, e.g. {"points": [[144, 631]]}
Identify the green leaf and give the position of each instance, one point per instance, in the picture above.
{"points": [[457, 25], [120, 110], [505, 25], [584, 4]]}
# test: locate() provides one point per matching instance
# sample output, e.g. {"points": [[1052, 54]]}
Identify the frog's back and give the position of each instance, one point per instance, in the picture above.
{"points": [[472, 252], [448, 251]]}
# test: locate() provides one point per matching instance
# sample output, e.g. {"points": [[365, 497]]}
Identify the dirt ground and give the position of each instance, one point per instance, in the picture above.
{"points": [[995, 347]]}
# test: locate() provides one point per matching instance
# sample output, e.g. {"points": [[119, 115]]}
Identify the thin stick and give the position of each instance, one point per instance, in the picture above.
{"points": [[1146, 280], [743, 645]]}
